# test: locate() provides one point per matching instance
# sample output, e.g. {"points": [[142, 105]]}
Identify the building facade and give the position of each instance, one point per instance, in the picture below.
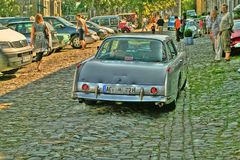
{"points": [[45, 7], [204, 6]]}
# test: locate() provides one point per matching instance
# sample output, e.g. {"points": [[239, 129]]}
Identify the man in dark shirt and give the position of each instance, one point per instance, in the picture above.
{"points": [[160, 24]]}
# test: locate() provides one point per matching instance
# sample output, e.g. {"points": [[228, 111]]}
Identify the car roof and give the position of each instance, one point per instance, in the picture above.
{"points": [[20, 22], [107, 16], [146, 36]]}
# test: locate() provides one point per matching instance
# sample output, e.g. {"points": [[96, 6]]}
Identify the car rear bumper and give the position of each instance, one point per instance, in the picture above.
{"points": [[120, 98]]}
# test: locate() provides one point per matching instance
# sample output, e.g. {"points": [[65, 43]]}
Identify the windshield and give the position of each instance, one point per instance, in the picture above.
{"points": [[236, 25], [65, 21], [92, 24], [132, 49]]}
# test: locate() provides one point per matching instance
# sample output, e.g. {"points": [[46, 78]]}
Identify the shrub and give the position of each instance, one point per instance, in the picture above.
{"points": [[188, 33]]}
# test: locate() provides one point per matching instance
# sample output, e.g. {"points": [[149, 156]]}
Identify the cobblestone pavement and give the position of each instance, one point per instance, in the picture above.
{"points": [[41, 121]]}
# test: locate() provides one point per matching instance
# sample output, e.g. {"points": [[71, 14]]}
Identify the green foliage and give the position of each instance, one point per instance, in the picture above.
{"points": [[188, 33], [145, 7], [9, 8], [188, 5]]}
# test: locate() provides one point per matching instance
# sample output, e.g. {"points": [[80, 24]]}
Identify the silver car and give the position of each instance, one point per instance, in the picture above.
{"points": [[14, 51], [132, 68]]}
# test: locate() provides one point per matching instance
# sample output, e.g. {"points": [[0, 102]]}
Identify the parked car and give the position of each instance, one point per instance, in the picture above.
{"points": [[111, 21], [14, 51], [102, 33], [235, 36], [132, 68], [194, 27], [191, 13], [171, 23], [63, 26], [25, 27], [125, 27], [92, 24], [63, 39]]}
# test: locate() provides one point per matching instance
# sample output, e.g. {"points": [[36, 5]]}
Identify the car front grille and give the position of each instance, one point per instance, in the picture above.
{"points": [[19, 44]]}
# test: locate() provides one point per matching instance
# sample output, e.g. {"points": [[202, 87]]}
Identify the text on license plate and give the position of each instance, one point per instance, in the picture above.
{"points": [[26, 58], [119, 90]]}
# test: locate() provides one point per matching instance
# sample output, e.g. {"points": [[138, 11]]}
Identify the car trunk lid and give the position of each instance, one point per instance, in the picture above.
{"points": [[123, 72]]}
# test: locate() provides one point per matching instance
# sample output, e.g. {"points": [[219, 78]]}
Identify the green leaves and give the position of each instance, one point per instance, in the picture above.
{"points": [[9, 8], [101, 7]]}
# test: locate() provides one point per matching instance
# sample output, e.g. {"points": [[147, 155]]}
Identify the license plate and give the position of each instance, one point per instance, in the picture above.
{"points": [[119, 90], [26, 58]]}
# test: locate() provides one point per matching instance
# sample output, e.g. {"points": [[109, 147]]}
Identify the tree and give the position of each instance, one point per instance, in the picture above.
{"points": [[9, 8]]}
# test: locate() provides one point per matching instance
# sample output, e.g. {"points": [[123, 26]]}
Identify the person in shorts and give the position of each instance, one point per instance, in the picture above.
{"points": [[82, 29], [225, 28]]}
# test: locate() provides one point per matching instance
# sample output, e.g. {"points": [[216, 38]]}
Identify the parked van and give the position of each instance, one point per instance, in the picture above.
{"points": [[111, 21], [14, 51]]}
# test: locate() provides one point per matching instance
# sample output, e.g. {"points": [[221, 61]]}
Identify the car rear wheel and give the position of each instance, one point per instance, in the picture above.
{"points": [[76, 42], [13, 71], [90, 102], [169, 107]]}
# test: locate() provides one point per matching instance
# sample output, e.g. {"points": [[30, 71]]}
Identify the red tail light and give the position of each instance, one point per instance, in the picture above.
{"points": [[78, 65], [85, 87], [154, 90], [169, 69]]}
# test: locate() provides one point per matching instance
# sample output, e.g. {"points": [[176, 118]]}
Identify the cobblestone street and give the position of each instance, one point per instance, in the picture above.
{"points": [[41, 121]]}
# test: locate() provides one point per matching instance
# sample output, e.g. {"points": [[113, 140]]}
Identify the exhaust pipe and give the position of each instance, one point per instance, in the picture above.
{"points": [[159, 104]]}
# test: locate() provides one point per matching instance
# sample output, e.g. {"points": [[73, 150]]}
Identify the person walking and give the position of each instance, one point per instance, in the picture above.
{"points": [[144, 24], [216, 19], [226, 25], [177, 27], [160, 24], [208, 23], [39, 38], [82, 29]]}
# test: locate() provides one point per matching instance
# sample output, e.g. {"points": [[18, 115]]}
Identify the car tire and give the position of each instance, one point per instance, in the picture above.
{"points": [[76, 42], [13, 71], [169, 107], [184, 84], [90, 102]]}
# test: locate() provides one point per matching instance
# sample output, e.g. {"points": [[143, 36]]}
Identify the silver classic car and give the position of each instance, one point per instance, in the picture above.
{"points": [[132, 68]]}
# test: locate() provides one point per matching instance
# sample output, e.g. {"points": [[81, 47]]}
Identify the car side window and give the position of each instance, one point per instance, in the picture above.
{"points": [[171, 49], [104, 22], [55, 23]]}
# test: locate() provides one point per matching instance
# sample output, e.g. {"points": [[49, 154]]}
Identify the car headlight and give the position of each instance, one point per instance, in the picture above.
{"points": [[4, 45]]}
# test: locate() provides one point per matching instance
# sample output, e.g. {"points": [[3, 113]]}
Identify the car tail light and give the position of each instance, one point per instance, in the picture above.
{"points": [[78, 65], [154, 90], [85, 87], [169, 69]]}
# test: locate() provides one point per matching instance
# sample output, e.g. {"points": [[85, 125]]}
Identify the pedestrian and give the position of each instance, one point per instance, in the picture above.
{"points": [[82, 29], [216, 19], [153, 28], [160, 24], [201, 26], [183, 24], [208, 23], [39, 38], [226, 25], [177, 28], [144, 24]]}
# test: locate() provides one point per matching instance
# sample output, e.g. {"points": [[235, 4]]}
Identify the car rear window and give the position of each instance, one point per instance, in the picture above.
{"points": [[132, 49]]}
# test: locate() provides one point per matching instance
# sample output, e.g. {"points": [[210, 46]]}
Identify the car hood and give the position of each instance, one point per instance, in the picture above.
{"points": [[235, 34], [108, 29], [11, 35], [123, 72]]}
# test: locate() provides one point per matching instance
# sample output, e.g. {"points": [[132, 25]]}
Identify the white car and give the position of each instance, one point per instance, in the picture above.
{"points": [[14, 51]]}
